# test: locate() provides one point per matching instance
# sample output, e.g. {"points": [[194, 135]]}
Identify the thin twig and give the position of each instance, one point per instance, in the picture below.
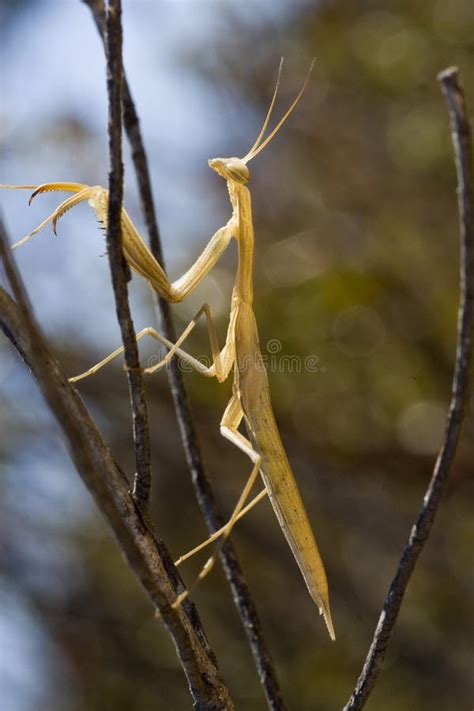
{"points": [[454, 96], [146, 554], [119, 270], [241, 594]]}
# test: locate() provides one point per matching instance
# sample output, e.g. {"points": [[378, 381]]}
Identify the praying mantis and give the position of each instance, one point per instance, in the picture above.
{"points": [[250, 401]]}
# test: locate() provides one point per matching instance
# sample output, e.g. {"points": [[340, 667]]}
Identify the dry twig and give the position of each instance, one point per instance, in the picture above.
{"points": [[120, 272], [147, 555], [461, 135]]}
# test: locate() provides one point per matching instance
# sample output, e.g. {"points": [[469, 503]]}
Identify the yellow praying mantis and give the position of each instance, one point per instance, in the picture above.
{"points": [[250, 399]]}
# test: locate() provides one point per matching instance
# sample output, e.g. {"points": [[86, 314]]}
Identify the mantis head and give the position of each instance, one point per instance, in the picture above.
{"points": [[231, 169], [235, 169]]}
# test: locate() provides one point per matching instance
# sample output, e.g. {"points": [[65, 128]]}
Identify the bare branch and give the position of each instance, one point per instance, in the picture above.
{"points": [[459, 400], [120, 272], [240, 590], [146, 554]]}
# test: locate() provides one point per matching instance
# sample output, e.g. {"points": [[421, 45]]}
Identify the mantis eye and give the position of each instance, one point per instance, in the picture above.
{"points": [[238, 170]]}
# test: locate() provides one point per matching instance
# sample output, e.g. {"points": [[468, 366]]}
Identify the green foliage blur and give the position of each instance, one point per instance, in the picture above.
{"points": [[356, 281]]}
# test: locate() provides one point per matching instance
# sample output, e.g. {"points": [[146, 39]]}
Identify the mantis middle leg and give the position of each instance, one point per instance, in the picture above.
{"points": [[222, 360]]}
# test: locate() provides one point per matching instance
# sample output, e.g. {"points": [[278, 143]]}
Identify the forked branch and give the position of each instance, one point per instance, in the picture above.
{"points": [[461, 136], [147, 555]]}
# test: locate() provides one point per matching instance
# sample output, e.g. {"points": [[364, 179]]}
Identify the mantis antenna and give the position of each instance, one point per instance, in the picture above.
{"points": [[269, 112], [255, 150]]}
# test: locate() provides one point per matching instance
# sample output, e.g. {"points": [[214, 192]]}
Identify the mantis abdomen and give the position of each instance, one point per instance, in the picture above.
{"points": [[287, 504], [254, 394]]}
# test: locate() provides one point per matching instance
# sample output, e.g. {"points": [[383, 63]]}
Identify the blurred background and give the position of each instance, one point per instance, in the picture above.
{"points": [[356, 281]]}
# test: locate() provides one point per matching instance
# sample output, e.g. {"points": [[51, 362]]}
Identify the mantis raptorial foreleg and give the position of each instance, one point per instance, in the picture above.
{"points": [[135, 250]]}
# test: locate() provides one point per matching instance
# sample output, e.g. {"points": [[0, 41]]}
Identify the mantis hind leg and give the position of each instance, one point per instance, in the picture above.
{"points": [[229, 429]]}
